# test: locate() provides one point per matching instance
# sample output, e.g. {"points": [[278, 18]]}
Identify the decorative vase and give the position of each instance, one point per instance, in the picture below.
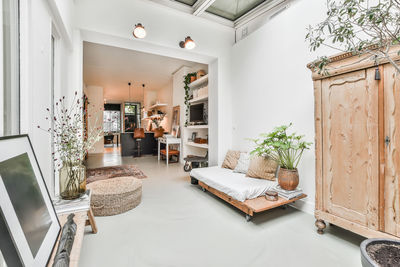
{"points": [[72, 180], [288, 179]]}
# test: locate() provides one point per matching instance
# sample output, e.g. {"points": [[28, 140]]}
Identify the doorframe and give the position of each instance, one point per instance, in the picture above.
{"points": [[177, 53]]}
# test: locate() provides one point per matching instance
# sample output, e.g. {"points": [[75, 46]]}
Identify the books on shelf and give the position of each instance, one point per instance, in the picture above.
{"points": [[69, 206], [288, 194]]}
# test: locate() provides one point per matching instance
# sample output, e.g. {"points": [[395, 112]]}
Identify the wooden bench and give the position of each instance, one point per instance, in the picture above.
{"points": [[80, 220], [250, 206]]}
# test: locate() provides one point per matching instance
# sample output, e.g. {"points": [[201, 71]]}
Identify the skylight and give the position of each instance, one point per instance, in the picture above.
{"points": [[233, 9], [187, 2]]}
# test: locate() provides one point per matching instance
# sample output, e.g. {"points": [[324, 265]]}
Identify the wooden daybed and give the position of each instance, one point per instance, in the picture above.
{"points": [[248, 206]]}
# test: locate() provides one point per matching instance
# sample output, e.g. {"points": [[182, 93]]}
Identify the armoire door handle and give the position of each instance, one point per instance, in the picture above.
{"points": [[387, 140]]}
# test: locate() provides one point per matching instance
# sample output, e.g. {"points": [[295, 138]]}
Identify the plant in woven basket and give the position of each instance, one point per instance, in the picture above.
{"points": [[360, 27], [286, 149], [186, 82], [72, 143]]}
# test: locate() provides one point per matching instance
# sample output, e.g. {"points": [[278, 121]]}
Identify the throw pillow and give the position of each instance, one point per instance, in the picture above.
{"points": [[262, 167], [231, 159], [243, 163]]}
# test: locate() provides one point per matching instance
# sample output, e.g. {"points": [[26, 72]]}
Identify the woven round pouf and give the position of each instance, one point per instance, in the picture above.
{"points": [[116, 195]]}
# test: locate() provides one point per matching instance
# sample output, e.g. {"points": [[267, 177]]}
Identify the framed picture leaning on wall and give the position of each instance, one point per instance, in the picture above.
{"points": [[25, 203]]}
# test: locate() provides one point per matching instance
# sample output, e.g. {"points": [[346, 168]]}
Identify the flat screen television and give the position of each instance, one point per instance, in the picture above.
{"points": [[197, 113]]}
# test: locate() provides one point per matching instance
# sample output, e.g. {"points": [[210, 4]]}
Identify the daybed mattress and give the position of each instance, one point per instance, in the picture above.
{"points": [[236, 185]]}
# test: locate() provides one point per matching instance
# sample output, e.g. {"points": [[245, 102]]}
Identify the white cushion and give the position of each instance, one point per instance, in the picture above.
{"points": [[236, 185], [243, 163]]}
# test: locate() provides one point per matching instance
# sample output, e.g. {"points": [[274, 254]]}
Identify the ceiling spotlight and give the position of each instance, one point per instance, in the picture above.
{"points": [[139, 31], [188, 43]]}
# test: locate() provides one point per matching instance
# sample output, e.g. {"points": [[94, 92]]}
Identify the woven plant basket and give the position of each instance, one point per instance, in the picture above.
{"points": [[115, 196]]}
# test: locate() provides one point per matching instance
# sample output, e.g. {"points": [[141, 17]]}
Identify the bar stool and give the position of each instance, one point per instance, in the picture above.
{"points": [[158, 133], [138, 135]]}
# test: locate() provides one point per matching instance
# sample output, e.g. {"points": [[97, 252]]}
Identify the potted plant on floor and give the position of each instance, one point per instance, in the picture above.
{"points": [[72, 143], [286, 150]]}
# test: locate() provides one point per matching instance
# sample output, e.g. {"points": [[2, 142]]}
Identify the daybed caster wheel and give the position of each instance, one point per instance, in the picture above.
{"points": [[193, 180], [320, 224], [204, 190], [248, 217]]}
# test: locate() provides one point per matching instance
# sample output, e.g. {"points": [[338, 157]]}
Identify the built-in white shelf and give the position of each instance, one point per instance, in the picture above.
{"points": [[199, 99], [197, 127], [158, 105], [199, 81], [205, 146]]}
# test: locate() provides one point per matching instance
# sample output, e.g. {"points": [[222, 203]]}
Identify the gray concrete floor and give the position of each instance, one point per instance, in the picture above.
{"points": [[178, 225]]}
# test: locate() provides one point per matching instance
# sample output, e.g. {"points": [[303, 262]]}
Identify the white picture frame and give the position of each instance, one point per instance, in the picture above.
{"points": [[34, 239]]}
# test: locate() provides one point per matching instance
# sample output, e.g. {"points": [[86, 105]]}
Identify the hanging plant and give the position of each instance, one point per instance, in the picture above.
{"points": [[186, 81]]}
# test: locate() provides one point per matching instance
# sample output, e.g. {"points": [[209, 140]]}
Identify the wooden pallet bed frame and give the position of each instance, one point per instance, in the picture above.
{"points": [[250, 206]]}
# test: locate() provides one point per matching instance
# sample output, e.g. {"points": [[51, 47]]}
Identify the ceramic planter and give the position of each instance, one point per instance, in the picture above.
{"points": [[288, 179]]}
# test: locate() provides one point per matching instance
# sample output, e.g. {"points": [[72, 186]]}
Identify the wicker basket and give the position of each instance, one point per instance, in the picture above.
{"points": [[115, 196]]}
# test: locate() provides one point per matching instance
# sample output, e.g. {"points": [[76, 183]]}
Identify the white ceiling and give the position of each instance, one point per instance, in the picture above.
{"points": [[112, 68]]}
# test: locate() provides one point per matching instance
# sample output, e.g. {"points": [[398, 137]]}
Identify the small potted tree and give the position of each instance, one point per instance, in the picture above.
{"points": [[286, 150]]}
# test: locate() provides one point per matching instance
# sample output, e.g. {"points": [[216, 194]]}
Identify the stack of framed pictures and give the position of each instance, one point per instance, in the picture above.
{"points": [[28, 221]]}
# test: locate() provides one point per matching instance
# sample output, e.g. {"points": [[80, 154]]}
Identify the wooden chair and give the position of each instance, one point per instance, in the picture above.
{"points": [[138, 135], [171, 153]]}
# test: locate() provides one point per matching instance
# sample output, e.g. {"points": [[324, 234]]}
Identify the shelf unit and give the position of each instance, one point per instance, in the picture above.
{"points": [[158, 105], [199, 99], [197, 127], [199, 81], [197, 145], [190, 147]]}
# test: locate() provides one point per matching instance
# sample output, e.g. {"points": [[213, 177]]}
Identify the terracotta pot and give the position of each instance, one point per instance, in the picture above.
{"points": [[288, 179], [192, 78]]}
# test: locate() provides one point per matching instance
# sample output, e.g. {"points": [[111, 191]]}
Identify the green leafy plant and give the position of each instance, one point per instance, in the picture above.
{"points": [[358, 26], [186, 81], [285, 149]]}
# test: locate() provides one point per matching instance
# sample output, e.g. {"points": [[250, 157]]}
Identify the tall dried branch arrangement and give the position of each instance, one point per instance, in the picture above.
{"points": [[358, 26], [71, 143]]}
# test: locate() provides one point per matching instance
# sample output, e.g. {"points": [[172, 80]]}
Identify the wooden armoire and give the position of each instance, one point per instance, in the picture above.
{"points": [[357, 143]]}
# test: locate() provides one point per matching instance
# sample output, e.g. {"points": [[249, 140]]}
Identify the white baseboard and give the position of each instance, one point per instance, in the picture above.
{"points": [[304, 205]]}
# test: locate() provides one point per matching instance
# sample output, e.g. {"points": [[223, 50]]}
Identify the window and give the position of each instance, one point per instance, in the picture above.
{"points": [[111, 121], [9, 94], [233, 10]]}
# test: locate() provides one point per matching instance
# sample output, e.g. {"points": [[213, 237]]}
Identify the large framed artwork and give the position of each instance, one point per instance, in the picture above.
{"points": [[28, 217]]}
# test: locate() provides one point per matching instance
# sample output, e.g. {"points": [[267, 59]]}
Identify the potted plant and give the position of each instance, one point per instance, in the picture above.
{"points": [[157, 119], [286, 150], [380, 252], [360, 27], [71, 144]]}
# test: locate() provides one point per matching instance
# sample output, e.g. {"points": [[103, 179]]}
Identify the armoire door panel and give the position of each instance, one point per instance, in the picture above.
{"points": [[350, 151], [392, 149]]}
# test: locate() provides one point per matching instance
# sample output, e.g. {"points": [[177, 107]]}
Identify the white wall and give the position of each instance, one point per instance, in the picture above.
{"points": [[95, 114], [37, 21], [165, 28], [272, 86]]}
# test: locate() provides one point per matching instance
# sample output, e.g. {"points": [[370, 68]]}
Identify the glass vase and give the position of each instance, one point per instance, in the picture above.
{"points": [[72, 180]]}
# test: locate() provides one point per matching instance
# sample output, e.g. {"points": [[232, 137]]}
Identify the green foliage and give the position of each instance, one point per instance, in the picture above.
{"points": [[357, 26], [186, 82], [285, 149]]}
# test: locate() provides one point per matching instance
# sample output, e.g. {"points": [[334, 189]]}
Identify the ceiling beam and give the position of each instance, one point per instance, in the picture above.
{"points": [[200, 6]]}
